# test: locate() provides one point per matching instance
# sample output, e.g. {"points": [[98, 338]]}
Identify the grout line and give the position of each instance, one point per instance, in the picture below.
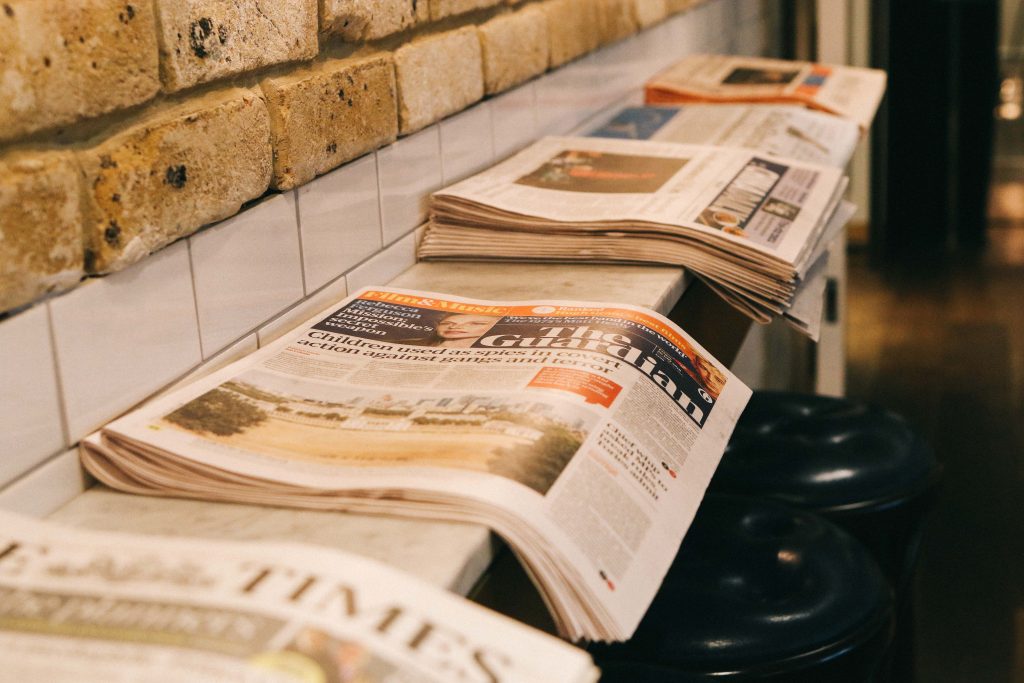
{"points": [[494, 128], [380, 193], [195, 298], [302, 251], [440, 150], [58, 377], [33, 471], [490, 138]]}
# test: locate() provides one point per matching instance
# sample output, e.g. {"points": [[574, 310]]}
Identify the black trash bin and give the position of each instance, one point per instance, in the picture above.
{"points": [[858, 465], [760, 592]]}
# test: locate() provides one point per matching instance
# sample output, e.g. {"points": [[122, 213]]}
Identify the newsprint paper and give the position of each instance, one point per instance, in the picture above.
{"points": [[584, 434], [778, 129], [848, 91], [748, 223], [98, 607]]}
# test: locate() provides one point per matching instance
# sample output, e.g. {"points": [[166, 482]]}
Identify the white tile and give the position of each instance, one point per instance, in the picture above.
{"points": [[305, 309], [246, 270], [339, 218], [240, 349], [513, 115], [622, 64], [467, 143], [719, 27], [30, 421], [555, 110], [408, 171], [689, 32], [750, 10], [122, 337], [750, 40], [660, 50], [385, 266], [573, 93], [47, 488]]}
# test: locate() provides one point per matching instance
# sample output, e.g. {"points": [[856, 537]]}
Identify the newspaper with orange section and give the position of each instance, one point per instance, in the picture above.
{"points": [[851, 92], [101, 607], [585, 434]]}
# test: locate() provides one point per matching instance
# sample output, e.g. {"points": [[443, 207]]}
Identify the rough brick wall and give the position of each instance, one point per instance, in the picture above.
{"points": [[128, 124]]}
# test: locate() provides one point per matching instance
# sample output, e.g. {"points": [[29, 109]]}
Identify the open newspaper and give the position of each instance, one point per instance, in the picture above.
{"points": [[100, 607], [778, 129], [750, 224], [584, 434], [847, 91]]}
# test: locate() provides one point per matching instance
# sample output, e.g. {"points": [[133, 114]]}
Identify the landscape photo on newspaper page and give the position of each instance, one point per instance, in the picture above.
{"points": [[526, 438]]}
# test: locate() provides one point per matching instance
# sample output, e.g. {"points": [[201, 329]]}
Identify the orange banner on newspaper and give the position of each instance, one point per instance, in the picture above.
{"points": [[436, 304], [593, 388]]}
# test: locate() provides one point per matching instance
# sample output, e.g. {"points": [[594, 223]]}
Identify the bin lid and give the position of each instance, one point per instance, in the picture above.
{"points": [[758, 585], [824, 453]]}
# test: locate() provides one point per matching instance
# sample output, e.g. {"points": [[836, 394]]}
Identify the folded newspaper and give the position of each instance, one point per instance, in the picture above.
{"points": [[750, 224], [584, 434], [778, 129], [99, 607], [781, 130], [847, 91]]}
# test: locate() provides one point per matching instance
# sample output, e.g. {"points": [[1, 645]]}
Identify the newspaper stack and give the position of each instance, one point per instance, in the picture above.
{"points": [[94, 607], [781, 130], [851, 92], [778, 129], [749, 224], [584, 434]]}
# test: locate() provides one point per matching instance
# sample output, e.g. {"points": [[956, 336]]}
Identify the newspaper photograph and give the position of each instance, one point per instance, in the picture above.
{"points": [[851, 92], [585, 434], [101, 607], [780, 130]]}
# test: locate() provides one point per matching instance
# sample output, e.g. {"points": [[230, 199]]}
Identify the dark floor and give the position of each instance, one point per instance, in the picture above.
{"points": [[945, 347]]}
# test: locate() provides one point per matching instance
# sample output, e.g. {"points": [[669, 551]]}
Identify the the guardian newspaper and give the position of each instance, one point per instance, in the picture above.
{"points": [[585, 434]]}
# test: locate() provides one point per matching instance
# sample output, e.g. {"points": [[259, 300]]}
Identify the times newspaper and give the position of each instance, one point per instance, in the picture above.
{"points": [[847, 91], [92, 607], [585, 434], [781, 130]]}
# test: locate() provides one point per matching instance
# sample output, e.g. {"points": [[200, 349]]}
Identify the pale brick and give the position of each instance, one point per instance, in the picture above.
{"points": [[203, 40], [439, 9], [617, 20], [324, 115], [650, 12], [66, 60], [171, 172], [515, 48], [437, 75], [40, 225], [356, 20], [574, 28]]}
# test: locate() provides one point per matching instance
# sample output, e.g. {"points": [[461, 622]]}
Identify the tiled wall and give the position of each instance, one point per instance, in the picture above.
{"points": [[73, 362]]}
